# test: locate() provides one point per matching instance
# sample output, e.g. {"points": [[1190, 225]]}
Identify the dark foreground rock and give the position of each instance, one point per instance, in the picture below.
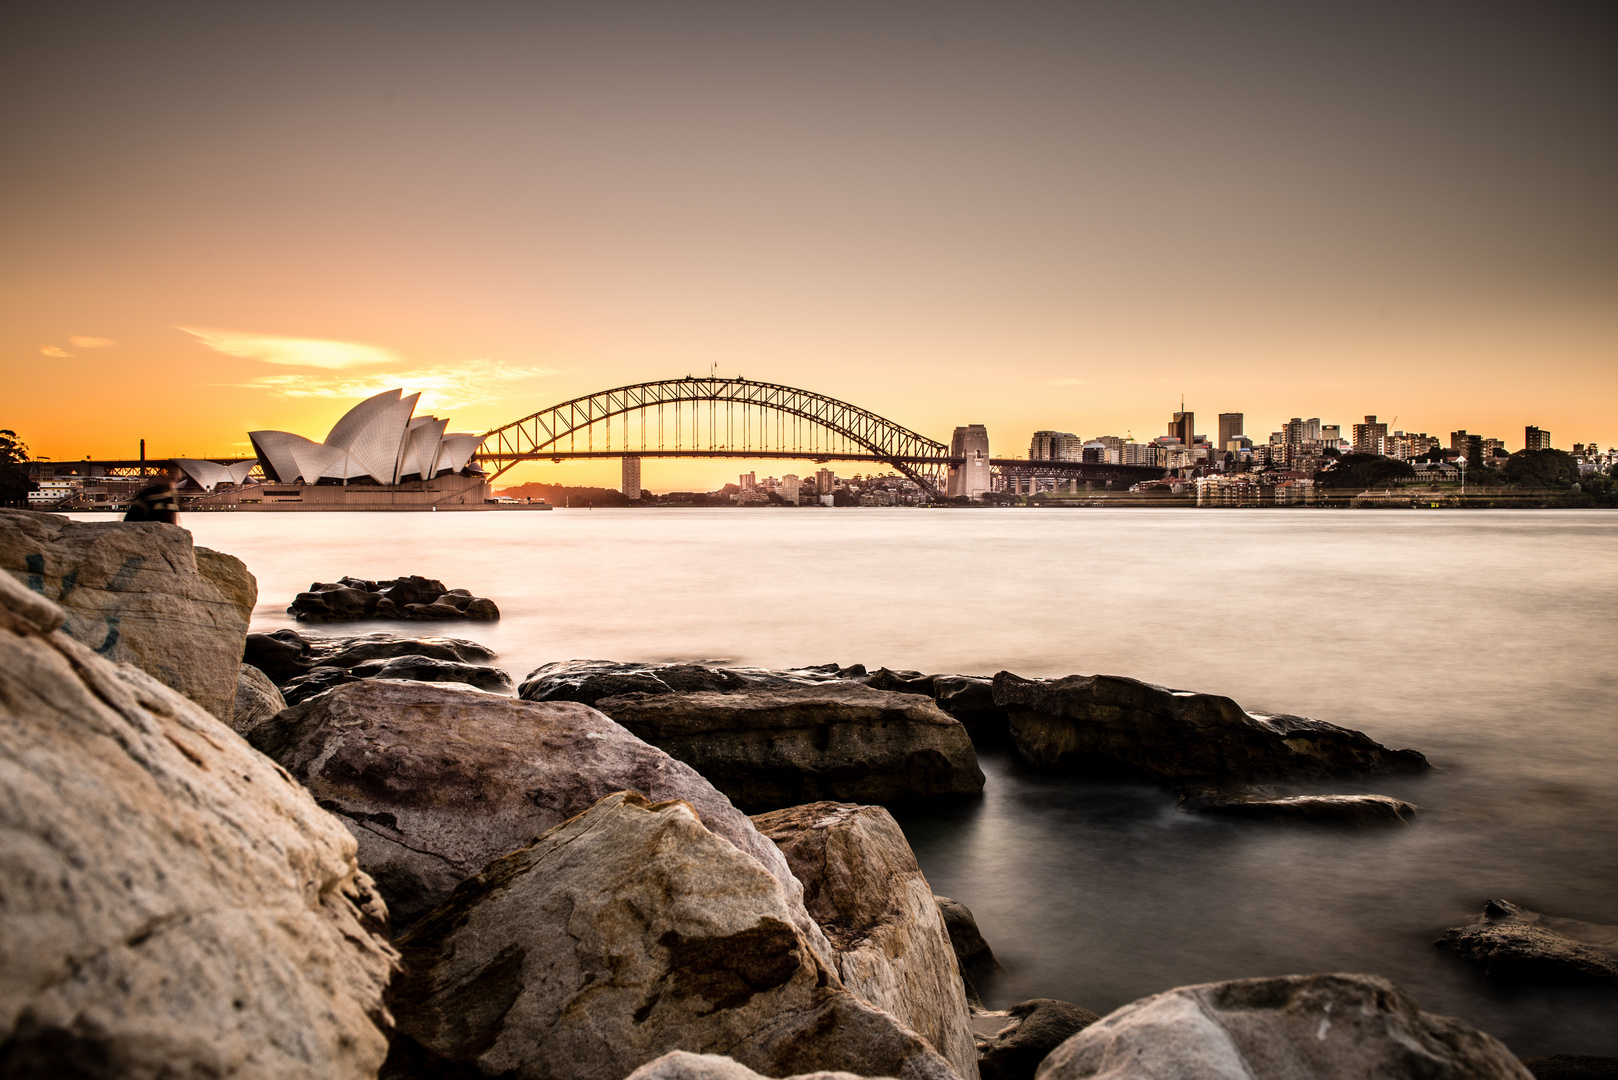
{"points": [[411, 668], [1110, 727], [1517, 945], [286, 654], [681, 1065], [621, 934], [862, 885], [1264, 804], [588, 681], [436, 780], [1327, 1027], [351, 599], [1572, 1067], [768, 748], [968, 698], [142, 594], [972, 953], [1035, 1028], [171, 903]]}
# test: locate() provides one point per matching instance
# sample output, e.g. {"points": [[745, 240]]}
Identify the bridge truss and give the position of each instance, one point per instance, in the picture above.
{"points": [[715, 417]]}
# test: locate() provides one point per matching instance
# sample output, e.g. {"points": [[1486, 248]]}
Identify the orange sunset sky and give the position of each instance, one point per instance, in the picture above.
{"points": [[228, 217]]}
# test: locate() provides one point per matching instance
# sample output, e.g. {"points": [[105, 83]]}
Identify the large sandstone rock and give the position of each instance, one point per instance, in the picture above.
{"points": [[140, 593], [1033, 1029], [435, 780], [770, 747], [172, 904], [286, 654], [683, 1065], [1517, 945], [1112, 727], [1327, 1027], [1265, 804], [624, 933], [862, 885], [257, 699]]}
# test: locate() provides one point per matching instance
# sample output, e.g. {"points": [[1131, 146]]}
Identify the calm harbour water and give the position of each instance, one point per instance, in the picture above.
{"points": [[1483, 639]]}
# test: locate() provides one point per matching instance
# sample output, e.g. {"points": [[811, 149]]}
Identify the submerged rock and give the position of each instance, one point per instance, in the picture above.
{"points": [[973, 956], [1035, 1028], [1117, 728], [257, 699], [140, 593], [681, 1065], [771, 747], [621, 934], [435, 780], [171, 902], [1517, 945], [351, 599], [862, 885], [1329, 1027], [1264, 804]]}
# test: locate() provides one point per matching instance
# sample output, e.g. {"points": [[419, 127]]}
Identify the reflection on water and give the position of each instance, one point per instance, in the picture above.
{"points": [[1482, 639]]}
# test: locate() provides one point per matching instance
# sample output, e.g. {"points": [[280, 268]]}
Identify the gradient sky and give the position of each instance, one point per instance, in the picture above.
{"points": [[219, 217]]}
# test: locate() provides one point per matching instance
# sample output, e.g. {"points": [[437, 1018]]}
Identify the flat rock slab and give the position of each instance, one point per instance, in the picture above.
{"points": [[589, 681], [772, 747], [435, 780], [1326, 1027], [862, 884], [352, 599], [1263, 804], [1517, 945], [621, 934], [171, 902], [1116, 728], [140, 593]]}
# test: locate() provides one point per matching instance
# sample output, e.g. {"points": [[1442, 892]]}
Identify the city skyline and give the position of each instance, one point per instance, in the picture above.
{"points": [[1027, 218]]}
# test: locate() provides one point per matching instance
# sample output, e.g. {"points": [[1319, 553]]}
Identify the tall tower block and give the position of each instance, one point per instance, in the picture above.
{"points": [[971, 477]]}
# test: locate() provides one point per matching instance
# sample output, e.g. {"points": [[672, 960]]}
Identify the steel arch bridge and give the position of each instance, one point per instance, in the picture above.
{"points": [[715, 417]]}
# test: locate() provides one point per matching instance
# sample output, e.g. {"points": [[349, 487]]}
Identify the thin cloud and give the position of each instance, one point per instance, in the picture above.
{"points": [[91, 342], [291, 352], [476, 382], [52, 350]]}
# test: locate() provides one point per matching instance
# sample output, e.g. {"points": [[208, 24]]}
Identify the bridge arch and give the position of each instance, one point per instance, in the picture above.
{"points": [[743, 418]]}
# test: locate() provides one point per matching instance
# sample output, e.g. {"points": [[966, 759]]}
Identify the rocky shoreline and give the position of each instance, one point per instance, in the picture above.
{"points": [[233, 854]]}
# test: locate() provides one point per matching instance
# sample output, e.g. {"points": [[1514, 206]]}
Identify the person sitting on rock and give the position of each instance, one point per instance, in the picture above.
{"points": [[155, 502]]}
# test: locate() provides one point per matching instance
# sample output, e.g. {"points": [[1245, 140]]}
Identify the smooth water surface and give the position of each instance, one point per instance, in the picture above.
{"points": [[1483, 639]]}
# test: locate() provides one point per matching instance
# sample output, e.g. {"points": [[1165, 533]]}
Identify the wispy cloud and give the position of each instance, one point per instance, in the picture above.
{"points": [[91, 342], [476, 382], [52, 350], [289, 351]]}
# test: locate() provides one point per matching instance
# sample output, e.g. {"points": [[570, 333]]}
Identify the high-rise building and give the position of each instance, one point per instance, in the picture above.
{"points": [[1370, 437], [747, 481], [971, 477], [788, 489], [1331, 433], [1298, 430], [1458, 442], [1535, 439], [1230, 428], [825, 481], [1054, 446], [1184, 424], [631, 484]]}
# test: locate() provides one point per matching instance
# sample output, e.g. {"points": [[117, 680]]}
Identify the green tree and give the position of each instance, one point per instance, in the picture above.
{"points": [[14, 482], [1553, 469], [1364, 471]]}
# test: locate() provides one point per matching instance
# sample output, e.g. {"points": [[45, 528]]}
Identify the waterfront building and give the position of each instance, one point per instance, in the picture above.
{"points": [[1370, 437], [377, 440], [789, 489], [1536, 439], [1055, 446], [971, 477], [825, 481], [631, 478]]}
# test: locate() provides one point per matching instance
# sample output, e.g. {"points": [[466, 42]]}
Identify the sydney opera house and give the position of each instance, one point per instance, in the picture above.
{"points": [[378, 456]]}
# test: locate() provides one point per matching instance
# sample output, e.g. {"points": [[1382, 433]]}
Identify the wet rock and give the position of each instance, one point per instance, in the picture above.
{"points": [[435, 780], [315, 681], [286, 654], [681, 1065], [772, 747], [862, 885], [1116, 728], [1329, 1027], [621, 934], [171, 902], [257, 699], [426, 669], [1517, 945], [589, 681], [1572, 1067], [351, 599], [140, 593], [968, 698], [1265, 804], [1033, 1030], [972, 953]]}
